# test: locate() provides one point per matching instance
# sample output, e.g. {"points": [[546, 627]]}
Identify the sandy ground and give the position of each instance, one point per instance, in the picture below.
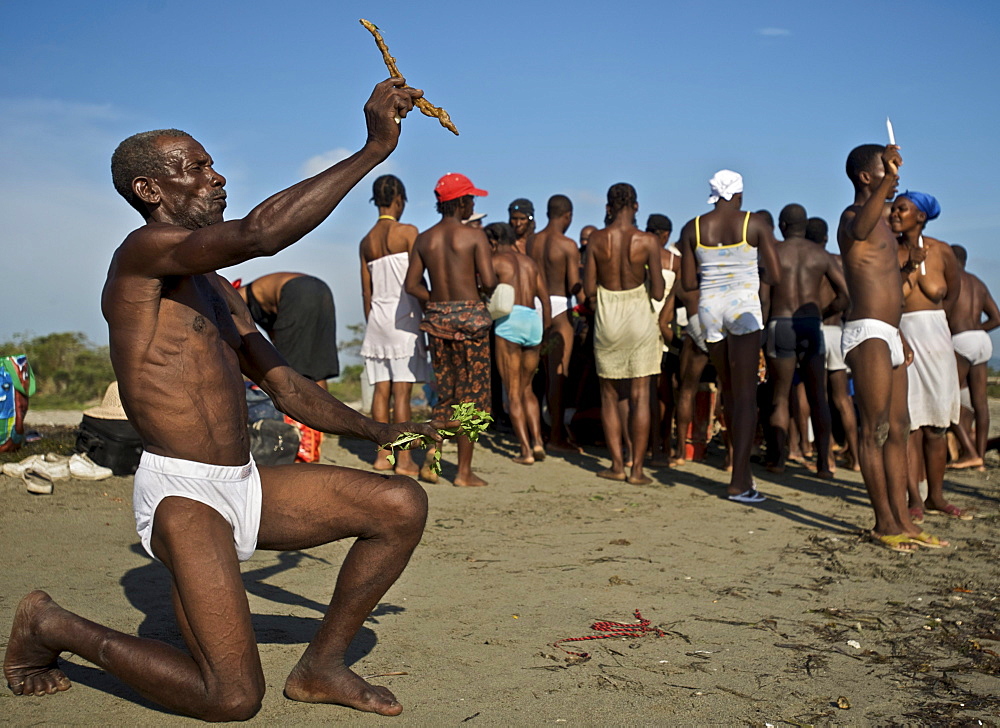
{"points": [[778, 614]]}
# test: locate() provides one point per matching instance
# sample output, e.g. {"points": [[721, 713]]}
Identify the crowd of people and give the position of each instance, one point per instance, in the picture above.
{"points": [[884, 344]]}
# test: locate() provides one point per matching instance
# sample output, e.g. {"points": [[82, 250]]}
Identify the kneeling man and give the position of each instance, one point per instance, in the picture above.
{"points": [[181, 341]]}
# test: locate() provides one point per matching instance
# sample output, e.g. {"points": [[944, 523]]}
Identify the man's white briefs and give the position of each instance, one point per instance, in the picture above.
{"points": [[232, 490], [860, 330]]}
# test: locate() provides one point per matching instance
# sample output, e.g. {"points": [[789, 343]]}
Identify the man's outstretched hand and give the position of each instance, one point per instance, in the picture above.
{"points": [[390, 100], [390, 432]]}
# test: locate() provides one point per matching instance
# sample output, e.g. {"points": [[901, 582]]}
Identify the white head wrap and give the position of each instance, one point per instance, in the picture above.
{"points": [[724, 185]]}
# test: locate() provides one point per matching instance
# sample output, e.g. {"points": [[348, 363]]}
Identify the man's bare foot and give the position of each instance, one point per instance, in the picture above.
{"points": [[678, 462], [779, 469], [967, 462], [408, 473], [524, 460], [640, 480], [824, 474], [427, 475], [611, 475], [340, 686], [472, 481], [538, 452], [29, 667]]}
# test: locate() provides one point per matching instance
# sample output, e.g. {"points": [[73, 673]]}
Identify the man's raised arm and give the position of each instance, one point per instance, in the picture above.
{"points": [[279, 221], [864, 222]]}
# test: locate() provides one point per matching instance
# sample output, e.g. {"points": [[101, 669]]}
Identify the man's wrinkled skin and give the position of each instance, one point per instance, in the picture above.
{"points": [[181, 341]]}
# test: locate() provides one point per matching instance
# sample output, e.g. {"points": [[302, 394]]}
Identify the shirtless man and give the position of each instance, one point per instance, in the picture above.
{"points": [[836, 368], [521, 217], [931, 285], [180, 338], [721, 255], [795, 335], [393, 349], [621, 259], [558, 259], [973, 350], [518, 336], [455, 319], [873, 347], [297, 313]]}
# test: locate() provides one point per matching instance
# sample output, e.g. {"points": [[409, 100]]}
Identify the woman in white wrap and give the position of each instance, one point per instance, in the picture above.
{"points": [[931, 283], [394, 351]]}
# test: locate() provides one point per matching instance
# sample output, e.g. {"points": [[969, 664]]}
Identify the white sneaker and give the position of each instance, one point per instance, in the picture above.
{"points": [[37, 482], [56, 468], [82, 467], [16, 470]]}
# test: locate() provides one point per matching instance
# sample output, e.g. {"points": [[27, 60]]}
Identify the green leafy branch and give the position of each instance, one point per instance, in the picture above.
{"points": [[472, 422]]}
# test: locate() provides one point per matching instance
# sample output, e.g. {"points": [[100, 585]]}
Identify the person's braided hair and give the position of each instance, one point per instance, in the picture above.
{"points": [[385, 189], [620, 195]]}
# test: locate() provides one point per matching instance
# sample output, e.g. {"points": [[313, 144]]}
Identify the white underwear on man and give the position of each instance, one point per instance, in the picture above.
{"points": [[860, 330], [975, 346], [232, 490], [833, 334]]}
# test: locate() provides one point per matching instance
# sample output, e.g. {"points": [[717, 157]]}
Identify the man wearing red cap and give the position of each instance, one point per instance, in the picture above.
{"points": [[455, 318]]}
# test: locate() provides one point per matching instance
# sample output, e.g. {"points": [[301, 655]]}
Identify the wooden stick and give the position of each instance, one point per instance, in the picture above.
{"points": [[425, 106]]}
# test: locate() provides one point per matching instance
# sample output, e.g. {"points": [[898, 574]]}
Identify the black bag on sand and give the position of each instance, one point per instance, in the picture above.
{"points": [[112, 443], [273, 442]]}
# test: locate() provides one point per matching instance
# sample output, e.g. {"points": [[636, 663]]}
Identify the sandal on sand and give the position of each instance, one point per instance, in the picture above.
{"points": [[751, 495], [899, 542], [917, 515], [950, 510], [928, 541]]}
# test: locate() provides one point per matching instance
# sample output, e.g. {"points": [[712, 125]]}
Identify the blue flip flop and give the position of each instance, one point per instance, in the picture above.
{"points": [[751, 495]]}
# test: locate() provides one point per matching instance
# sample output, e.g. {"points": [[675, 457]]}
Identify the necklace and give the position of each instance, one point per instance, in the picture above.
{"points": [[387, 217]]}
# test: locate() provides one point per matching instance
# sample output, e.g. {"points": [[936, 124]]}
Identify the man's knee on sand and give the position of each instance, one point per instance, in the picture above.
{"points": [[239, 702]]}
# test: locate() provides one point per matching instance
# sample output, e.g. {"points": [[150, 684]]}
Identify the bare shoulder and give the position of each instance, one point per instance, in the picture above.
{"points": [[148, 243], [939, 245], [527, 261], [647, 239], [566, 245], [405, 230], [844, 225]]}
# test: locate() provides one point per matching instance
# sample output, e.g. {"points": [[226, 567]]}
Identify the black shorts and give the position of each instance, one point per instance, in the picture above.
{"points": [[801, 338]]}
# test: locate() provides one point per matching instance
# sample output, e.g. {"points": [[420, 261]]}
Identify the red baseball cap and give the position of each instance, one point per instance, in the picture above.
{"points": [[454, 185]]}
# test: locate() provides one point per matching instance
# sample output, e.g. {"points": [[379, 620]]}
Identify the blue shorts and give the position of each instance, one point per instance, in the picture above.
{"points": [[522, 326]]}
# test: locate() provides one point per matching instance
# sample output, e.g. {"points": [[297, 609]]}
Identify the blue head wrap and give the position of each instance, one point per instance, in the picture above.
{"points": [[925, 203]]}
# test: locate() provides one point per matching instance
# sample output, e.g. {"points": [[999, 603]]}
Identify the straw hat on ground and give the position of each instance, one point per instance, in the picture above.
{"points": [[110, 408]]}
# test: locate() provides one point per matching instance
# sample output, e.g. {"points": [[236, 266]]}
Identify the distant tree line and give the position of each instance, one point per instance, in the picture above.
{"points": [[69, 368]]}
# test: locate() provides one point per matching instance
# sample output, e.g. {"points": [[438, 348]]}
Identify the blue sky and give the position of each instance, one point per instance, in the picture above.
{"points": [[559, 97]]}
